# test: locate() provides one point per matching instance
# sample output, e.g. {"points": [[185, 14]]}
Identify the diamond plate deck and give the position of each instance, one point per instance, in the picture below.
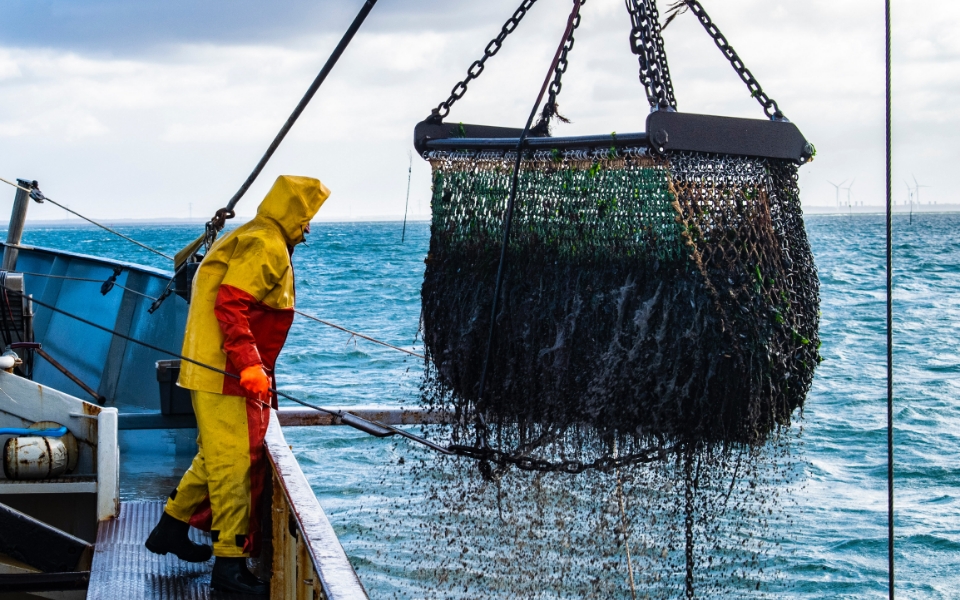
{"points": [[123, 569]]}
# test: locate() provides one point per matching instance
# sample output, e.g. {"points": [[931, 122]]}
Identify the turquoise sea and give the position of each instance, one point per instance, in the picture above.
{"points": [[359, 275]]}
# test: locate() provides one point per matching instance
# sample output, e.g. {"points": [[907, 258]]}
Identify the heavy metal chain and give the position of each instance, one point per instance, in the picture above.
{"points": [[443, 109], [769, 104], [561, 68], [646, 42], [527, 463]]}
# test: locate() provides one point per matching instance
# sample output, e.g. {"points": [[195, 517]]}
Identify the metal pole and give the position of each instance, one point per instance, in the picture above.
{"points": [[15, 229], [406, 207]]}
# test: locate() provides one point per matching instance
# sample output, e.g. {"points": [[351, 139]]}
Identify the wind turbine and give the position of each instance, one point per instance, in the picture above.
{"points": [[837, 188], [848, 188], [917, 187], [910, 199]]}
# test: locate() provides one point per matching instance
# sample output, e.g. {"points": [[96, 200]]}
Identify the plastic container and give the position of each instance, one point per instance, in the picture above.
{"points": [[174, 400]]}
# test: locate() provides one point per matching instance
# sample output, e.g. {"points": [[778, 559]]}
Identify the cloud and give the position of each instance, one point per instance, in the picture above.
{"points": [[178, 108]]}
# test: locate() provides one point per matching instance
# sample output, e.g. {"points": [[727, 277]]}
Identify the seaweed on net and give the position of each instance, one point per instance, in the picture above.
{"points": [[648, 301], [658, 320]]}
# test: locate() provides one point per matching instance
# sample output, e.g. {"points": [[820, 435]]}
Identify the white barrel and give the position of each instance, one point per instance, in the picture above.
{"points": [[34, 457]]}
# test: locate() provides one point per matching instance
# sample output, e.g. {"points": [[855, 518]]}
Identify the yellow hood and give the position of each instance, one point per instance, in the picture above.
{"points": [[292, 202]]}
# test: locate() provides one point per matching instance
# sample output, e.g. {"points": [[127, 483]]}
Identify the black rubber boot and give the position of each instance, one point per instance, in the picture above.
{"points": [[170, 535], [232, 575]]}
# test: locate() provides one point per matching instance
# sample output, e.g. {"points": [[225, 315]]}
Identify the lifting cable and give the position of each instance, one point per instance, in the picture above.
{"points": [[890, 538], [37, 196], [370, 426], [105, 283], [359, 335], [217, 223]]}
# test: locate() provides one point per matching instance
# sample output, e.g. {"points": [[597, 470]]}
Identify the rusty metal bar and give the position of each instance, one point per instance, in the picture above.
{"points": [[100, 399]]}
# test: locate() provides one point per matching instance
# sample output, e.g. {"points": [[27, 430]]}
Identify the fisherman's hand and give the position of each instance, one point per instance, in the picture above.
{"points": [[253, 379]]}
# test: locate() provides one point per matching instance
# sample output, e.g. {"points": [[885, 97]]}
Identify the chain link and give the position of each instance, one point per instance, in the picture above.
{"points": [[443, 109], [646, 42], [561, 68], [769, 105]]}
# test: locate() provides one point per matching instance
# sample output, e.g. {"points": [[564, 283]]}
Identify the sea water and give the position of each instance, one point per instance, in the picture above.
{"points": [[361, 276]]}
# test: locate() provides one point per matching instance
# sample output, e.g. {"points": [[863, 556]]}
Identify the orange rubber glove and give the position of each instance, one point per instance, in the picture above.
{"points": [[253, 379]]}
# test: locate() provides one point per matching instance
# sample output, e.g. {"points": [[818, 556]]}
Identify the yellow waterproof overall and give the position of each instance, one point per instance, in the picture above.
{"points": [[241, 309]]}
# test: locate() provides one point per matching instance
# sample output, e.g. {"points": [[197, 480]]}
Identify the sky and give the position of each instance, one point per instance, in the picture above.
{"points": [[155, 109]]}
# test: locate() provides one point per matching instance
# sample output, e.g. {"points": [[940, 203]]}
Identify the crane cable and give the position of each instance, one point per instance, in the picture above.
{"points": [[889, 232]]}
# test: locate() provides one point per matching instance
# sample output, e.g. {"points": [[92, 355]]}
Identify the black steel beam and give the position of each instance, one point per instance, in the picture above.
{"points": [[543, 143], [424, 132], [727, 135], [666, 131], [37, 544]]}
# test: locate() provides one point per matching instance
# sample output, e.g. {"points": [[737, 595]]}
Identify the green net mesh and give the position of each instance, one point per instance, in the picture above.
{"points": [[647, 300]]}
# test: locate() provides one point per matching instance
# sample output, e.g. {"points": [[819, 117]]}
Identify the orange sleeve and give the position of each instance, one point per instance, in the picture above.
{"points": [[232, 310]]}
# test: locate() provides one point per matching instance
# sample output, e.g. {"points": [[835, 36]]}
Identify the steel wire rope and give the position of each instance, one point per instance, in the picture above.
{"points": [[216, 224], [359, 335], [889, 286], [37, 196], [338, 413], [85, 279], [299, 312]]}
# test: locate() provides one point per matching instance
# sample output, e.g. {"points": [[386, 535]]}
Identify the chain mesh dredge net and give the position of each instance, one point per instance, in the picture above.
{"points": [[656, 331], [649, 303]]}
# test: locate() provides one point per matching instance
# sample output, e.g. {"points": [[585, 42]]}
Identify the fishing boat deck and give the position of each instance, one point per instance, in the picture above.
{"points": [[302, 556], [124, 569]]}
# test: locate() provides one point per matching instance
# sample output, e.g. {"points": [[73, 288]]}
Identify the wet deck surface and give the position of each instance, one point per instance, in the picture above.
{"points": [[123, 569]]}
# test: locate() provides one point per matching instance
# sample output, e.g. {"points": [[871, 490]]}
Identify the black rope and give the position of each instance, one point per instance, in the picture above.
{"points": [[344, 41], [890, 538], [508, 218]]}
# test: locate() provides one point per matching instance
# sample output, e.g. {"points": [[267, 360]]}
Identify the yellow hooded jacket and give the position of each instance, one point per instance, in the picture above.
{"points": [[243, 293]]}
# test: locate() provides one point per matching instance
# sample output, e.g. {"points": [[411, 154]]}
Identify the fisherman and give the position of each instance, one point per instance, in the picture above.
{"points": [[240, 313]]}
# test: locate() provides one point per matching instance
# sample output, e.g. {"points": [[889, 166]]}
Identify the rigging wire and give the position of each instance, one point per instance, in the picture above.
{"points": [[359, 335], [299, 312], [406, 207], [889, 226], [39, 197], [367, 425], [86, 279]]}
